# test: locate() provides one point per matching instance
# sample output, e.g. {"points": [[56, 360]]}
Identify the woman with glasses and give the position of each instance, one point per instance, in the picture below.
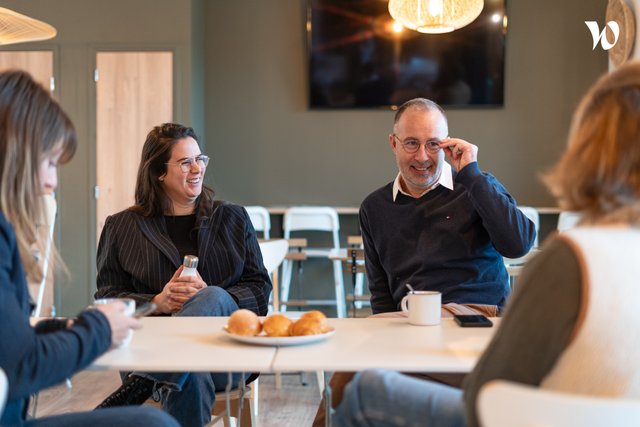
{"points": [[141, 252], [35, 137]]}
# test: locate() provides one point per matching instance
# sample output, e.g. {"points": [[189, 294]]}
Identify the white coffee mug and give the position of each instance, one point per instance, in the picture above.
{"points": [[423, 307], [130, 308]]}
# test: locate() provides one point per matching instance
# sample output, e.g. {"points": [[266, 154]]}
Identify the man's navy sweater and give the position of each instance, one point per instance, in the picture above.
{"points": [[450, 241]]}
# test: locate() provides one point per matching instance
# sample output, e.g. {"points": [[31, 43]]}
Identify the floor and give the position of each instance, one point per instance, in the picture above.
{"points": [[294, 405]]}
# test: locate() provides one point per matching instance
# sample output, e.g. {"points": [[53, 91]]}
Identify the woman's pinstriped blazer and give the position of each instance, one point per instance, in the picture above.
{"points": [[136, 257]]}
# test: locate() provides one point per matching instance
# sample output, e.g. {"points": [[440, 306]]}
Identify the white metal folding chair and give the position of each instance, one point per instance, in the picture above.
{"points": [[514, 265], [273, 253], [314, 218], [260, 219], [507, 404], [534, 216]]}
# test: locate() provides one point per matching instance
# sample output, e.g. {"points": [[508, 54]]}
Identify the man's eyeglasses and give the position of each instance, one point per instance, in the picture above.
{"points": [[413, 145], [187, 164]]}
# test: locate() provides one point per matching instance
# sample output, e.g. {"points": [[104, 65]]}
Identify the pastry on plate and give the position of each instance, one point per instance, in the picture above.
{"points": [[244, 322], [277, 325], [306, 326], [320, 317]]}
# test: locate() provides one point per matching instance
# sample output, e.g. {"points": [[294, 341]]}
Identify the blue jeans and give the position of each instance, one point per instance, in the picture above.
{"points": [[189, 396], [381, 398], [125, 416]]}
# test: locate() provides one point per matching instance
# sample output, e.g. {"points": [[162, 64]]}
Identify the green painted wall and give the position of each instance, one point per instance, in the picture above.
{"points": [[268, 148], [241, 82], [84, 27]]}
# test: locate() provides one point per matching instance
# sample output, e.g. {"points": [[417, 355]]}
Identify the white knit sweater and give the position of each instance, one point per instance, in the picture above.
{"points": [[603, 357]]}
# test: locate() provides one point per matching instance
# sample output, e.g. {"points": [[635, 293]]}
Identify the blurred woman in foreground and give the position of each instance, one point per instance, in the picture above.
{"points": [[35, 136]]}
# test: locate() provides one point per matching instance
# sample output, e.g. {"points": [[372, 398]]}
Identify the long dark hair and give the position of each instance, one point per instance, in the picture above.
{"points": [[151, 199]]}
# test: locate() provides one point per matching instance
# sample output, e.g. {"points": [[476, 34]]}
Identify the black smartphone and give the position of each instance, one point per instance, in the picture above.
{"points": [[472, 321], [144, 309]]}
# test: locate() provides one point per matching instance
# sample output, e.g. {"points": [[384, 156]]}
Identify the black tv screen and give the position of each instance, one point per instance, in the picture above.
{"points": [[357, 60]]}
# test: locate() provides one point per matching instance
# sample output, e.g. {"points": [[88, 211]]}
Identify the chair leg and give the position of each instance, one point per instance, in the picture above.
{"points": [[276, 292], [287, 271], [231, 422], [249, 412], [320, 378], [247, 417], [255, 396], [341, 305], [278, 377], [358, 291]]}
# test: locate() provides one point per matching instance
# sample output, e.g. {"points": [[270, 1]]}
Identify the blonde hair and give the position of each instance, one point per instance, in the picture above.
{"points": [[599, 172], [32, 125]]}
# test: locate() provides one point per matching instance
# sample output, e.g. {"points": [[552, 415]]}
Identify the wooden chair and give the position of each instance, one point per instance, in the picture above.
{"points": [[507, 404], [248, 414]]}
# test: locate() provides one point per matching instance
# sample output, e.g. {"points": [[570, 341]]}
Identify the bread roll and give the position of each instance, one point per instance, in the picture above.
{"points": [[244, 322], [314, 314], [277, 325], [320, 317], [306, 326]]}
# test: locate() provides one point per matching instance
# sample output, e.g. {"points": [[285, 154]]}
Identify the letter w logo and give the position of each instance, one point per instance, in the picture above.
{"points": [[602, 36]]}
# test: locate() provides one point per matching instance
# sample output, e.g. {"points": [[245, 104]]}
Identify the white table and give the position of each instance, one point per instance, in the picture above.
{"points": [[390, 343], [198, 344]]}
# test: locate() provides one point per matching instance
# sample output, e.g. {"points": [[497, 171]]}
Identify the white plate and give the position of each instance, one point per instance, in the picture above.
{"points": [[279, 341]]}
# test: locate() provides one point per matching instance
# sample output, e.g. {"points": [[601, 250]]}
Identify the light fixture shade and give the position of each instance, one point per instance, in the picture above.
{"points": [[18, 28], [435, 16]]}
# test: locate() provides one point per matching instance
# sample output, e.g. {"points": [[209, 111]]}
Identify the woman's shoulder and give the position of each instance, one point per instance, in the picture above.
{"points": [[230, 211], [123, 217], [4, 223], [6, 229]]}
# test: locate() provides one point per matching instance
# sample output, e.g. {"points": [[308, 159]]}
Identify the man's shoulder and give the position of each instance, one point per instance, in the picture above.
{"points": [[381, 195]]}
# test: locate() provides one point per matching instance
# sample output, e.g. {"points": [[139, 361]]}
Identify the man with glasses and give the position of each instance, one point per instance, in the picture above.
{"points": [[442, 224]]}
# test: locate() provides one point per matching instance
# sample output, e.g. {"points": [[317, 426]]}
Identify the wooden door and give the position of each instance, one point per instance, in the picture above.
{"points": [[134, 92], [40, 65]]}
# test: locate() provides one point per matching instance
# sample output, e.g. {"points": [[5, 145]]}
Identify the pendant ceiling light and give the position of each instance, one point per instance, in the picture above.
{"points": [[18, 28], [435, 16]]}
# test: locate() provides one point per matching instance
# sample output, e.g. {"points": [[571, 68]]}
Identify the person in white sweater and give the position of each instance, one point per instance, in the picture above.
{"points": [[567, 325]]}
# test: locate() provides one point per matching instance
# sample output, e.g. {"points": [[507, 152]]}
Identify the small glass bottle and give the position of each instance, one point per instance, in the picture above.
{"points": [[190, 264]]}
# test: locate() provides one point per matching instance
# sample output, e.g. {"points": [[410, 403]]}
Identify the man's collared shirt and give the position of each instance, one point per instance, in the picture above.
{"points": [[446, 180]]}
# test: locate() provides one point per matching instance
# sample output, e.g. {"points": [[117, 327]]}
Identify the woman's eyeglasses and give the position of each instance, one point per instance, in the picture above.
{"points": [[186, 165]]}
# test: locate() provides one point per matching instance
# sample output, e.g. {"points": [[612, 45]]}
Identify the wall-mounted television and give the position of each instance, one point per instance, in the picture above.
{"points": [[357, 59]]}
